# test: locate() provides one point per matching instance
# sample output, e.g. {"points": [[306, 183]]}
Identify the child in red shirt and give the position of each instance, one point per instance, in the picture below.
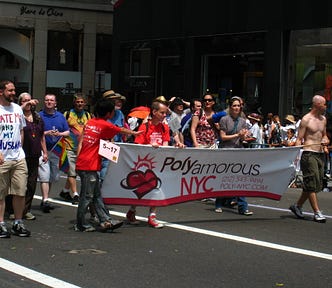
{"points": [[154, 133], [88, 165]]}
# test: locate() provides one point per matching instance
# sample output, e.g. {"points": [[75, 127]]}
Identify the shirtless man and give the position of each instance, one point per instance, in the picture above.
{"points": [[312, 135]]}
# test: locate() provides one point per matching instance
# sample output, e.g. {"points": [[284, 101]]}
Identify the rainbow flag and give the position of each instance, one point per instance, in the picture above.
{"points": [[59, 149]]}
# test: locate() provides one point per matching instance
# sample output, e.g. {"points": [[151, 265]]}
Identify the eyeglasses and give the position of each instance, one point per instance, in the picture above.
{"points": [[207, 100]]}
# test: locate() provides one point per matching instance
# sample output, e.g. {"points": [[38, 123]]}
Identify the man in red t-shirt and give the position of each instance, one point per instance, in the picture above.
{"points": [[155, 133], [88, 165]]}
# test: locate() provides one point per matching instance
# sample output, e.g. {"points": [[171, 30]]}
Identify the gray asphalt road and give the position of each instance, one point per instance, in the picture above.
{"points": [[197, 248]]}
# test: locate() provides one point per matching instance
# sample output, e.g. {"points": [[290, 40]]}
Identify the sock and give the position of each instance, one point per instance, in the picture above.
{"points": [[65, 190], [17, 221], [76, 194]]}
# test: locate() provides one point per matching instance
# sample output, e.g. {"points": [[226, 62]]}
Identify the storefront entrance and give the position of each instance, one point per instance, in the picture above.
{"points": [[234, 74]]}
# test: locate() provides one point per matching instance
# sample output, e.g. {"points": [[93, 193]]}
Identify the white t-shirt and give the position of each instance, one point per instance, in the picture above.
{"points": [[12, 122]]}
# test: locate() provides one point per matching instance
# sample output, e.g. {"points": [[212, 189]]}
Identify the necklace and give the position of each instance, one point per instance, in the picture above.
{"points": [[33, 127]]}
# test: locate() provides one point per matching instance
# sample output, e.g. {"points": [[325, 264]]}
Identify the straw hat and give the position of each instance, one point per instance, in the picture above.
{"points": [[110, 94], [161, 99], [254, 116], [290, 118]]}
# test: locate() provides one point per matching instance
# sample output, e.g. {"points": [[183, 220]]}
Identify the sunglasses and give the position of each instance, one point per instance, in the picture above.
{"points": [[207, 100]]}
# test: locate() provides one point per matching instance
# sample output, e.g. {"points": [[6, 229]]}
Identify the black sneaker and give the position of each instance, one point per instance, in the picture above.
{"points": [[75, 200], [66, 196], [20, 230], [297, 211], [4, 233], [46, 206], [110, 226]]}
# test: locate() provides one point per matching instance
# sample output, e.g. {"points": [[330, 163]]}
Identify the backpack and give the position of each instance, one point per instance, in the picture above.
{"points": [[185, 130]]}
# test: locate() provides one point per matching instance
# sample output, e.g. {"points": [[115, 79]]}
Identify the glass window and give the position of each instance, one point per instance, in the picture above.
{"points": [[63, 51], [313, 68]]}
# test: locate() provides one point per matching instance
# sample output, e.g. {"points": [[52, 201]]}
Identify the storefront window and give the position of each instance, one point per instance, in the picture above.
{"points": [[313, 68]]}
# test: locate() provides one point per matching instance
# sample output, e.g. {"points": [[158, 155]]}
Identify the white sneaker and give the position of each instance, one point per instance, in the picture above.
{"points": [[319, 217]]}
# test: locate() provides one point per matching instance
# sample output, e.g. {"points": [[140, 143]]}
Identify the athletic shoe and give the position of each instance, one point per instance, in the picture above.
{"points": [[75, 200], [4, 233], [29, 216], [152, 221], [246, 213], [218, 210], [20, 230], [319, 217], [46, 206], [297, 211], [84, 229], [11, 217], [131, 219], [326, 189], [66, 196]]}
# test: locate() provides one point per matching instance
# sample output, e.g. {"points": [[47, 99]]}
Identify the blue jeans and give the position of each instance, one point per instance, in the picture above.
{"points": [[90, 193], [104, 165], [241, 202]]}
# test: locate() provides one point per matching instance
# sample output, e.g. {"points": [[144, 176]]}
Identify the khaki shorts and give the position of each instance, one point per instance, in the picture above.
{"points": [[312, 166], [14, 175], [72, 163]]}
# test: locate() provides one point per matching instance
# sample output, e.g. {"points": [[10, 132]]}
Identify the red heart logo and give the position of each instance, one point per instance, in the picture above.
{"points": [[142, 182]]}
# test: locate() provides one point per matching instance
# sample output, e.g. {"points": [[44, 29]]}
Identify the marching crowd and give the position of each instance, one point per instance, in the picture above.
{"points": [[29, 140]]}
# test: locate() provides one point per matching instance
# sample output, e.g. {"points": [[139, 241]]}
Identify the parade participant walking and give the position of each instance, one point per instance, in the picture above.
{"points": [[76, 118], [233, 131], [88, 165], [13, 168], [56, 127], [155, 133], [34, 143], [312, 135]]}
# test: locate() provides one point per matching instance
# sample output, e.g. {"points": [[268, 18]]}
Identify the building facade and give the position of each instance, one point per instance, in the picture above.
{"points": [[275, 54], [59, 47]]}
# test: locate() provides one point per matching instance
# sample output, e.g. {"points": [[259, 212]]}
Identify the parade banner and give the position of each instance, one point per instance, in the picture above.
{"points": [[147, 176]]}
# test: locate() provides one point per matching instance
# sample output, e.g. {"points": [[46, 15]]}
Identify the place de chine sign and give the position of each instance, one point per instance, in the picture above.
{"points": [[42, 11]]}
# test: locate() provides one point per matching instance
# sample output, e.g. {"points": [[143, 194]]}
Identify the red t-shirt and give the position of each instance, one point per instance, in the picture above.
{"points": [[94, 130], [153, 134]]}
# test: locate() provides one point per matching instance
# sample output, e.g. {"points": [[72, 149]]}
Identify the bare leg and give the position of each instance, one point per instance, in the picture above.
{"points": [[71, 184], [313, 201], [2, 209], [45, 188], [18, 205], [304, 197]]}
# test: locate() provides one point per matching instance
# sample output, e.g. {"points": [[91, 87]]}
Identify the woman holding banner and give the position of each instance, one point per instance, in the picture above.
{"points": [[233, 131]]}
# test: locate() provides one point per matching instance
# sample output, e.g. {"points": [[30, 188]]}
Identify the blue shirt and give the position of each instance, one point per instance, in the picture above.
{"points": [[51, 122], [117, 120]]}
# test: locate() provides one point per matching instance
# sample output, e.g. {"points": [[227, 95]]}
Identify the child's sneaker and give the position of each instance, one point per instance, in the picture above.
{"points": [[152, 221], [131, 219]]}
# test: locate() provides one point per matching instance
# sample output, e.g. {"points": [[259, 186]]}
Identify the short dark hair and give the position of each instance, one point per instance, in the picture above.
{"points": [[103, 106], [4, 83]]}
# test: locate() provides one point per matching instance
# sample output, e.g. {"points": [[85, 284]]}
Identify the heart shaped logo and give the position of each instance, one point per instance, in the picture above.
{"points": [[141, 182]]}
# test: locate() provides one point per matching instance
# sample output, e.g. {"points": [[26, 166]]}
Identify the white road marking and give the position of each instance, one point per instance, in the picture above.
{"points": [[236, 238], [34, 275], [56, 283]]}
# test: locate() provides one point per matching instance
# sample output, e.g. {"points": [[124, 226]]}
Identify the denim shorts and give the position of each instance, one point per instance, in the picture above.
{"points": [[14, 174], [312, 166], [49, 171]]}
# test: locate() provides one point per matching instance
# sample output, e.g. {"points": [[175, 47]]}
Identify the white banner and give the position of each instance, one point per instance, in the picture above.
{"points": [[146, 176]]}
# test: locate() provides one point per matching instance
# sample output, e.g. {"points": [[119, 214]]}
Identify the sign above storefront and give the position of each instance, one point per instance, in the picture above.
{"points": [[43, 11]]}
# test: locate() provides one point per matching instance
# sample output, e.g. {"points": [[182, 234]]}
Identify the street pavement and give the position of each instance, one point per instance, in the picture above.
{"points": [[196, 248]]}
